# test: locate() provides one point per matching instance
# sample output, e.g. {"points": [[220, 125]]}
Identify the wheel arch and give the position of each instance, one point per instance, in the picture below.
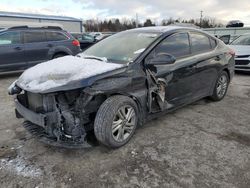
{"points": [[228, 72], [141, 112], [59, 50]]}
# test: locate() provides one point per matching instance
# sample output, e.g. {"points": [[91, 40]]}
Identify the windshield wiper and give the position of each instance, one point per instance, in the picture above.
{"points": [[96, 58]]}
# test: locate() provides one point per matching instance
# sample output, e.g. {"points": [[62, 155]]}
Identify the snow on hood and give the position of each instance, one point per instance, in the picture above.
{"points": [[61, 71], [241, 49]]}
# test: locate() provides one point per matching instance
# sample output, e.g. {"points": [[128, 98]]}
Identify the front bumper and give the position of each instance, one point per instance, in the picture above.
{"points": [[36, 118], [242, 64], [37, 124], [40, 134]]}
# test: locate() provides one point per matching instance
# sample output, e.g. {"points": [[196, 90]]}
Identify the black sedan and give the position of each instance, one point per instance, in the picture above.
{"points": [[120, 83], [85, 40]]}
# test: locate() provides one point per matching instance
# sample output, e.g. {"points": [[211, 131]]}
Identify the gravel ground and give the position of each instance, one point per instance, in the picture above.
{"points": [[205, 144]]}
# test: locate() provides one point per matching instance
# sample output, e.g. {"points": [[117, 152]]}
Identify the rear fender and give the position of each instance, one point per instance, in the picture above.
{"points": [[59, 49]]}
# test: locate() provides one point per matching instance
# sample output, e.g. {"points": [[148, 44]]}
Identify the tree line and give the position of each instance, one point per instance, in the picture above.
{"points": [[116, 25]]}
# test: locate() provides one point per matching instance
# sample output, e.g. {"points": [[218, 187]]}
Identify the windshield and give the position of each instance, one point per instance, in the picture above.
{"points": [[242, 40], [123, 47]]}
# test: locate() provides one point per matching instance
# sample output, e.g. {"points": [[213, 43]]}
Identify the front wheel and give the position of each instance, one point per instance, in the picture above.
{"points": [[116, 121], [221, 87]]}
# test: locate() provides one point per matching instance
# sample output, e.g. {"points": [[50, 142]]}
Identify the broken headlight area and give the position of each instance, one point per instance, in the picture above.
{"points": [[61, 119], [14, 89]]}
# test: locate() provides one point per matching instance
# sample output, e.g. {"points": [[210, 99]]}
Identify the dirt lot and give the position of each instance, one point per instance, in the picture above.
{"points": [[201, 145]]}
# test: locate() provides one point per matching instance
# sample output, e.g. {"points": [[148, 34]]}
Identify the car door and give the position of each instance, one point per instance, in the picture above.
{"points": [[12, 55], [207, 62], [36, 47], [180, 77]]}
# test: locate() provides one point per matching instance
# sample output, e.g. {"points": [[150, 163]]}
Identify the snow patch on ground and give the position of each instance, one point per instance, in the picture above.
{"points": [[61, 71], [20, 167]]}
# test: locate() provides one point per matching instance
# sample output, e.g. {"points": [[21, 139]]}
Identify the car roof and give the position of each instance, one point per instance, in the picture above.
{"points": [[24, 27], [163, 29], [32, 29]]}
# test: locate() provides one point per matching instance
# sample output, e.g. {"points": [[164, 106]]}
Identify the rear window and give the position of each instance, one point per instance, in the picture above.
{"points": [[88, 38], [10, 38], [55, 36], [200, 42], [34, 36]]}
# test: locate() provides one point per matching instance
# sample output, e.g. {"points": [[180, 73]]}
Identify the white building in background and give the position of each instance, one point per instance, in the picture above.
{"points": [[11, 19]]}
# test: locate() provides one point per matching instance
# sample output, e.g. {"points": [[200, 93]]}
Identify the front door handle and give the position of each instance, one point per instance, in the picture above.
{"points": [[50, 45], [18, 48], [191, 67], [217, 58]]}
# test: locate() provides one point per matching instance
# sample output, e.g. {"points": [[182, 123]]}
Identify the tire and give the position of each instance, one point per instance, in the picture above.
{"points": [[110, 128], [59, 55], [222, 82]]}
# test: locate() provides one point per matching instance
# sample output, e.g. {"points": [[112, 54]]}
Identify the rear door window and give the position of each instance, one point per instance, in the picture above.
{"points": [[177, 45], [88, 38], [10, 38], [55, 36], [34, 36], [200, 43]]}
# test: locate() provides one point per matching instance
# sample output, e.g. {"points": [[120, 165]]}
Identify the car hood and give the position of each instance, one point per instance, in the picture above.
{"points": [[65, 73], [240, 49]]}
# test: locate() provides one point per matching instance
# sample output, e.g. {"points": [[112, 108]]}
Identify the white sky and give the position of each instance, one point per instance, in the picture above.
{"points": [[222, 10]]}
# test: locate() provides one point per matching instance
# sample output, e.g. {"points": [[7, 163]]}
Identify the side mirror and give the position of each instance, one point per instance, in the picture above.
{"points": [[162, 59]]}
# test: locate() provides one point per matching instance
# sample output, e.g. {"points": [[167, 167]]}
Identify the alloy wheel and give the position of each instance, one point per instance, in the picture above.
{"points": [[124, 122], [221, 87]]}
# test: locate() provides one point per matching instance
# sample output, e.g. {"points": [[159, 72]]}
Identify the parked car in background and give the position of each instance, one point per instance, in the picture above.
{"points": [[95, 34], [120, 83], [241, 46], [23, 47], [227, 35], [85, 40], [103, 36], [235, 23]]}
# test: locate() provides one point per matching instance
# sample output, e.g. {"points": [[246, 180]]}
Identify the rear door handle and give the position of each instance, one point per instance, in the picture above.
{"points": [[50, 45]]}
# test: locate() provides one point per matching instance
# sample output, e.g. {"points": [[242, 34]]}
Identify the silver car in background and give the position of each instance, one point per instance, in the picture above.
{"points": [[241, 46]]}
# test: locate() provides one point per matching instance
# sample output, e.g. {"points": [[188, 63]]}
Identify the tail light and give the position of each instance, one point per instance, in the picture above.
{"points": [[76, 43], [231, 52]]}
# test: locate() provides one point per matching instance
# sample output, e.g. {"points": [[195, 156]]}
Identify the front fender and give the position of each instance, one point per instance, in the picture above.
{"points": [[109, 85]]}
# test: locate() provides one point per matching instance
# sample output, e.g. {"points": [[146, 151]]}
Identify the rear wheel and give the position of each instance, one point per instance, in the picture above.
{"points": [[221, 87], [116, 121]]}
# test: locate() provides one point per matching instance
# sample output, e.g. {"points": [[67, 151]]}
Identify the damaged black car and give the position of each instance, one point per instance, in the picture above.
{"points": [[118, 84]]}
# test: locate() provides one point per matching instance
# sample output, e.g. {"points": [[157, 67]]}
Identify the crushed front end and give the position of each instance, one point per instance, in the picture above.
{"points": [[58, 119]]}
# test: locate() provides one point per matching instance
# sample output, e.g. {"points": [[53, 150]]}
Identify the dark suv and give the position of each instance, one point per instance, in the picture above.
{"points": [[22, 47]]}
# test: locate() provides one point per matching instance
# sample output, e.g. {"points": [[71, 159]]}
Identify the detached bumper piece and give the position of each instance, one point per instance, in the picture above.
{"points": [[29, 115], [39, 133]]}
